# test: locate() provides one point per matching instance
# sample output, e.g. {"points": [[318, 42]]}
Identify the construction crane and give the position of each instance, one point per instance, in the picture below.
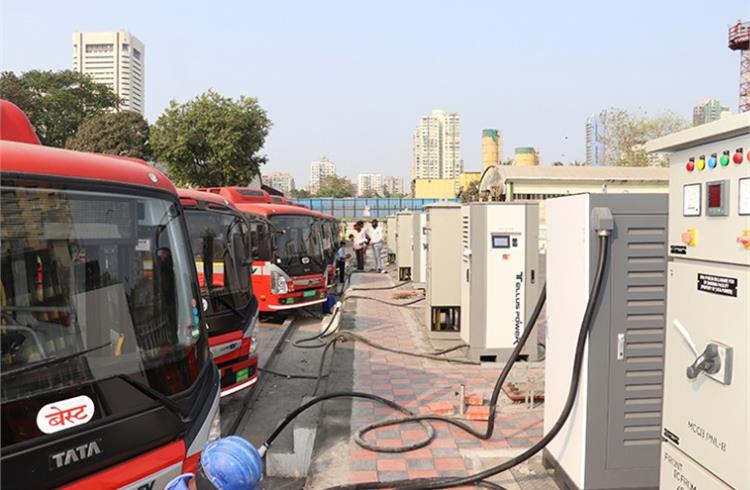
{"points": [[739, 40]]}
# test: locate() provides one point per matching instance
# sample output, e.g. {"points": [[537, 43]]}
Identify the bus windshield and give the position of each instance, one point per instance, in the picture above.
{"points": [[298, 244], [95, 285], [220, 247]]}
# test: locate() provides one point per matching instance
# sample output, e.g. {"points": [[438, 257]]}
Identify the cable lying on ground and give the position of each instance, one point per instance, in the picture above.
{"points": [[436, 483]]}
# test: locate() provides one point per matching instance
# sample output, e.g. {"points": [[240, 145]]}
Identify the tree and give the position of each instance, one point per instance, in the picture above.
{"points": [[211, 140], [335, 186], [118, 133], [57, 103], [625, 134], [370, 193], [300, 193], [471, 193]]}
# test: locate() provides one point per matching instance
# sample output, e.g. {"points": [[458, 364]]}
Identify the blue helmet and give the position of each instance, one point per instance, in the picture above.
{"points": [[231, 463]]}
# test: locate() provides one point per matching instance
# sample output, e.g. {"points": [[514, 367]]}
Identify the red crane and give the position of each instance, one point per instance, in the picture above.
{"points": [[739, 40]]}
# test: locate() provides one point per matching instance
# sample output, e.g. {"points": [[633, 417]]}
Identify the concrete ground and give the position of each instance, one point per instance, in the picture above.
{"points": [[424, 386]]}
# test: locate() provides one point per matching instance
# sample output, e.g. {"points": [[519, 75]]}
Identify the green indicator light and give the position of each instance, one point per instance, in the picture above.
{"points": [[724, 160]]}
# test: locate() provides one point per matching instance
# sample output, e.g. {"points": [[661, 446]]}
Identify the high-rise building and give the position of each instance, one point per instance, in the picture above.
{"points": [[393, 184], [436, 150], [492, 147], [707, 111], [280, 181], [320, 169], [116, 59], [595, 140], [370, 183]]}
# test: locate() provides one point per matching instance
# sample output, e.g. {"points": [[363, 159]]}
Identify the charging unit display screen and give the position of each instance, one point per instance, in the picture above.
{"points": [[716, 198], [500, 241]]}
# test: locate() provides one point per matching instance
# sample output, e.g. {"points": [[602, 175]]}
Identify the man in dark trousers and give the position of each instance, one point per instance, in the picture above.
{"points": [[360, 244]]}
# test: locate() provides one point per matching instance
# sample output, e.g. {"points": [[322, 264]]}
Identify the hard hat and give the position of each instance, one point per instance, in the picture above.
{"points": [[231, 463]]}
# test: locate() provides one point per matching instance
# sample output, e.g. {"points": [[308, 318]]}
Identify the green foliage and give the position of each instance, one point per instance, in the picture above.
{"points": [[118, 133], [300, 193], [471, 193], [335, 186], [370, 193], [211, 140], [57, 103], [625, 134]]}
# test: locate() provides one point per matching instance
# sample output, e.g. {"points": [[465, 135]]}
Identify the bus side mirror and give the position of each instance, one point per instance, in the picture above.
{"points": [[243, 261], [208, 261]]}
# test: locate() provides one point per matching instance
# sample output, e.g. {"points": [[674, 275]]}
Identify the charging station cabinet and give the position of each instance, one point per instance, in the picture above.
{"points": [[404, 227], [611, 439], [499, 283], [419, 249], [443, 271], [390, 238], [706, 422]]}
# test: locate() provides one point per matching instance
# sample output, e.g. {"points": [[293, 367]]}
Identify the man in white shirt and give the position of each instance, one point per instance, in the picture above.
{"points": [[376, 240], [360, 244]]}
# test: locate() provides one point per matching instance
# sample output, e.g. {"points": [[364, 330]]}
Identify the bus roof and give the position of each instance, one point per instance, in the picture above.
{"points": [[24, 158], [15, 126], [202, 199], [268, 210]]}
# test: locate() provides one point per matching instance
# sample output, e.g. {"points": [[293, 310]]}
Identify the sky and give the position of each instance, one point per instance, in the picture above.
{"points": [[350, 79]]}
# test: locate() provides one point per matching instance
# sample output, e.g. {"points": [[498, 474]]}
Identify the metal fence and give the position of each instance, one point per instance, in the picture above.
{"points": [[354, 207]]}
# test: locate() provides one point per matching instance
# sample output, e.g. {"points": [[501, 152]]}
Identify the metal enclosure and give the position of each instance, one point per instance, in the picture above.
{"points": [[443, 271], [499, 283], [390, 238], [404, 228], [419, 248], [611, 439], [706, 423]]}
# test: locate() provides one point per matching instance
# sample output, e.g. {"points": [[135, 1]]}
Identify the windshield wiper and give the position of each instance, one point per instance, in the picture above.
{"points": [[53, 360], [166, 402]]}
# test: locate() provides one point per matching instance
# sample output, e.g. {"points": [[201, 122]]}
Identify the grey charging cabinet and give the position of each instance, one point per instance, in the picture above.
{"points": [[611, 439]]}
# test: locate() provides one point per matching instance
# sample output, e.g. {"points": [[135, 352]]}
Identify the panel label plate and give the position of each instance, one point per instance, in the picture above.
{"points": [[725, 286]]}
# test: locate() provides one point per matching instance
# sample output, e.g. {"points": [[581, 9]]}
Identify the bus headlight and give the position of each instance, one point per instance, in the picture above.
{"points": [[278, 283]]}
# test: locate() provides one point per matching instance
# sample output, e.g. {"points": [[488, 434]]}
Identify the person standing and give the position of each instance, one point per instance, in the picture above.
{"points": [[376, 240], [341, 257], [360, 244]]}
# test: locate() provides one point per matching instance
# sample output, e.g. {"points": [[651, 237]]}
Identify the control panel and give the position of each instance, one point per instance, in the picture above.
{"points": [[710, 201], [706, 407]]}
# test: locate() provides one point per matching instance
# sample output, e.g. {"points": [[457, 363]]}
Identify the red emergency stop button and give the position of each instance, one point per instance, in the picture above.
{"points": [[744, 239], [689, 237]]}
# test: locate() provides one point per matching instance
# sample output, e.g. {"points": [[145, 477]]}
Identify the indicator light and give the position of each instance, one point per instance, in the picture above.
{"points": [[701, 164], [690, 165], [712, 162], [737, 158], [724, 160]]}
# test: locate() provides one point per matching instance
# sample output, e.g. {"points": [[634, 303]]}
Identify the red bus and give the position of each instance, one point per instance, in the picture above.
{"points": [[289, 266], [220, 240], [106, 379], [330, 233]]}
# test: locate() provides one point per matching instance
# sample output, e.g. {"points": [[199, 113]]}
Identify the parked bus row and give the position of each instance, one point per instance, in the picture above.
{"points": [[118, 291]]}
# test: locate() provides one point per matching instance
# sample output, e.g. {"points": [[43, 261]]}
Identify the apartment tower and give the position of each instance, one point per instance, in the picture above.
{"points": [[116, 59]]}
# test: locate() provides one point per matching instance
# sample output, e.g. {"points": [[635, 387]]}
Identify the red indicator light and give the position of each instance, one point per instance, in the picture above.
{"points": [[737, 158], [690, 166]]}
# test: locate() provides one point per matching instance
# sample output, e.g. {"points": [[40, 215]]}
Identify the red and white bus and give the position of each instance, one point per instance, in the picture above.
{"points": [[106, 378], [221, 244], [289, 266], [330, 233]]}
